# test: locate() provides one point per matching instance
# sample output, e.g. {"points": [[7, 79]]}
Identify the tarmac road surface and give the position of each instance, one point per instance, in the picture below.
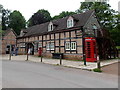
{"points": [[27, 74]]}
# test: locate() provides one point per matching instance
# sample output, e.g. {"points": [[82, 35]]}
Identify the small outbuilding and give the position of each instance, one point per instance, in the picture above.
{"points": [[8, 38]]}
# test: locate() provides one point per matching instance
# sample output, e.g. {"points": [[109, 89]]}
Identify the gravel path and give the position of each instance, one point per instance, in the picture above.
{"points": [[111, 69]]}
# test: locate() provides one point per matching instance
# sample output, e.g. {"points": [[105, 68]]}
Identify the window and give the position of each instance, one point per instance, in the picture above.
{"points": [[50, 46], [50, 26], [70, 46], [70, 22], [73, 45], [36, 47], [67, 46], [22, 45], [39, 44]]}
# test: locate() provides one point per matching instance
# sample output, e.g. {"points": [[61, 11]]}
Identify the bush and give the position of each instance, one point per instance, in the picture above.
{"points": [[97, 70]]}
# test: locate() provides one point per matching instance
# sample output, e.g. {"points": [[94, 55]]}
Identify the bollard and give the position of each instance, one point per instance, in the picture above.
{"points": [[10, 53], [98, 62], [41, 57], [27, 57], [84, 59], [60, 59]]}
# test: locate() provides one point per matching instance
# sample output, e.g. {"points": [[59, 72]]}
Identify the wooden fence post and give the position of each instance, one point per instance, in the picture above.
{"points": [[60, 59], [10, 53]]}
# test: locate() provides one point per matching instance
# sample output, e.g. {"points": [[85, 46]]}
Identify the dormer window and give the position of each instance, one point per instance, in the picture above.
{"points": [[70, 22], [50, 26]]}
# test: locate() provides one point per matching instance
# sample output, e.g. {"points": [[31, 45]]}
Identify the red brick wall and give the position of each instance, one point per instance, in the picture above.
{"points": [[10, 38], [73, 57]]}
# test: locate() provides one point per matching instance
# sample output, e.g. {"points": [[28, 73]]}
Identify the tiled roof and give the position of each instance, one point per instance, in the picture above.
{"points": [[6, 32], [80, 19]]}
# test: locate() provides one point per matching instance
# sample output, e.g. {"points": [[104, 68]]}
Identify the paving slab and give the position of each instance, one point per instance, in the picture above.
{"points": [[67, 63]]}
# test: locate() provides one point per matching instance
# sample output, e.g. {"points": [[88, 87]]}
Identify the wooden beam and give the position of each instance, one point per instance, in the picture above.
{"points": [[59, 42], [64, 42], [54, 44], [70, 41]]}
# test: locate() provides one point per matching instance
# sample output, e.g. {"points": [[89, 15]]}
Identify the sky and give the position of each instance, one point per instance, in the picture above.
{"points": [[29, 7]]}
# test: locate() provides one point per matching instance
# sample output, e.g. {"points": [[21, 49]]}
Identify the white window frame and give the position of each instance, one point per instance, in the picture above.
{"points": [[36, 46], [70, 46], [22, 45], [50, 46], [67, 46], [39, 44], [73, 45], [50, 26], [70, 22]]}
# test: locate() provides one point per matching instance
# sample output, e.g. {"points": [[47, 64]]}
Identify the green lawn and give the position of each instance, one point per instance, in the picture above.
{"points": [[118, 47]]}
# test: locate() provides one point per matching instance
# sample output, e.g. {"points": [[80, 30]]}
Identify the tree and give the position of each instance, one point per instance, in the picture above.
{"points": [[63, 14], [5, 18], [1, 8], [108, 18], [103, 12], [116, 31], [41, 16], [17, 21], [1, 31]]}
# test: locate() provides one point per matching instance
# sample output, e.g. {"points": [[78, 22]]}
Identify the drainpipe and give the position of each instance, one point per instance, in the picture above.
{"points": [[83, 46]]}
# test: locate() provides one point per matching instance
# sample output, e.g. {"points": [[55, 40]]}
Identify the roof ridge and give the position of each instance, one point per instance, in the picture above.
{"points": [[41, 28], [62, 18]]}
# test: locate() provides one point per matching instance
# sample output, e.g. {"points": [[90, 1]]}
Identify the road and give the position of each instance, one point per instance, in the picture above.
{"points": [[27, 74]]}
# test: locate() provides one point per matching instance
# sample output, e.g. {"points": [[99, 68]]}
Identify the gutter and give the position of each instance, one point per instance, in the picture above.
{"points": [[52, 32]]}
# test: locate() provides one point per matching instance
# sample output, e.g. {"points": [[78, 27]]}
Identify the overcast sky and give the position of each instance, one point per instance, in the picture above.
{"points": [[28, 7]]}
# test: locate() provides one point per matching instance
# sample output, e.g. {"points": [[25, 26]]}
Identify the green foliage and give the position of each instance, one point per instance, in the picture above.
{"points": [[115, 34], [41, 16], [97, 70], [17, 21], [5, 18], [1, 32], [86, 6], [103, 12], [0, 27], [1, 8], [45, 13], [63, 14], [118, 47], [107, 17]]}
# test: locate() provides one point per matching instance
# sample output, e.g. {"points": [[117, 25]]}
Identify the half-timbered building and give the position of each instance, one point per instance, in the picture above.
{"points": [[77, 36]]}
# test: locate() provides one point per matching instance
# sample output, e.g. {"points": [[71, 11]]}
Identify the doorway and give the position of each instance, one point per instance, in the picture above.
{"points": [[30, 46], [8, 49]]}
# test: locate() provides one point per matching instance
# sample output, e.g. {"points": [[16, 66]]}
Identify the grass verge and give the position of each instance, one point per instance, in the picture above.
{"points": [[97, 70]]}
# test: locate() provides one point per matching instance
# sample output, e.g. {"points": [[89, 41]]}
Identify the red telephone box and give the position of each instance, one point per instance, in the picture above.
{"points": [[40, 51], [90, 49]]}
